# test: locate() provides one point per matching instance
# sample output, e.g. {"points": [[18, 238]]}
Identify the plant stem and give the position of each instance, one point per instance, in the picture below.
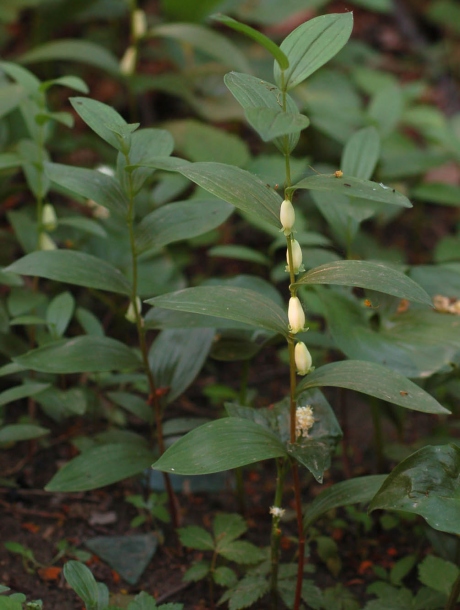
{"points": [[276, 532], [153, 399], [301, 544], [239, 471], [378, 435]]}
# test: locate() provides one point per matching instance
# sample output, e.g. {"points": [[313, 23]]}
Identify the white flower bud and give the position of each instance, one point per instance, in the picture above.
{"points": [[296, 257], [296, 315], [45, 242], [139, 24], [303, 360], [130, 314], [128, 61], [49, 218], [304, 420], [287, 216]]}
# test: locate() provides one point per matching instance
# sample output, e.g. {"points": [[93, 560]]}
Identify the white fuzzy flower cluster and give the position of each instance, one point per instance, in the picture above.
{"points": [[304, 420], [276, 511]]}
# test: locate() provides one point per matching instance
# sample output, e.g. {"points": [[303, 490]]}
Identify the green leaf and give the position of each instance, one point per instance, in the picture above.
{"points": [[178, 221], [22, 76], [198, 571], [207, 41], [363, 274], [86, 354], [353, 491], [238, 304], [22, 391], [311, 45], [374, 380], [242, 552], [253, 93], [59, 313], [228, 527], [74, 268], [133, 403], [128, 555], [260, 38], [73, 82], [426, 483], [242, 253], [416, 343], [247, 591], [91, 184], [225, 577], [196, 538], [82, 582], [83, 224], [438, 193], [8, 160], [81, 51], [10, 98], [115, 462], [271, 123], [102, 119], [238, 187], [361, 153], [21, 432], [220, 445], [177, 356], [438, 574], [353, 187]]}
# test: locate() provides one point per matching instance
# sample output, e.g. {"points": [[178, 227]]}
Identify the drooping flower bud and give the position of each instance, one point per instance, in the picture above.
{"points": [[287, 216], [45, 242], [130, 314], [49, 219], [139, 24], [304, 420], [296, 257], [128, 61], [303, 360], [296, 315]]}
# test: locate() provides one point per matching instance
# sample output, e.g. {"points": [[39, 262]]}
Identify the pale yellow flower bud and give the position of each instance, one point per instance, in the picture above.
{"points": [[49, 218], [128, 61], [139, 24], [287, 216], [296, 257], [296, 315], [130, 314], [303, 360], [45, 242]]}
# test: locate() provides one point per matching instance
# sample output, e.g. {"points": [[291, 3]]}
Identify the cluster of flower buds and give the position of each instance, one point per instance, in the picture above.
{"points": [[304, 420]]}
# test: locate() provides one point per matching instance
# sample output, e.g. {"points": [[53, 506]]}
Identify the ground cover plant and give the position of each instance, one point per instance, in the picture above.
{"points": [[218, 206]]}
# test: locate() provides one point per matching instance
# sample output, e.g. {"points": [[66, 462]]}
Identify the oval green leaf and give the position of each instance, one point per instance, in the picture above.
{"points": [[87, 354], [426, 483], [363, 274], [21, 391], [272, 124], [353, 491], [374, 380], [91, 184], [353, 187], [311, 45], [72, 267], [220, 445], [21, 432], [81, 51], [240, 304], [361, 153], [238, 187], [178, 221], [115, 462]]}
